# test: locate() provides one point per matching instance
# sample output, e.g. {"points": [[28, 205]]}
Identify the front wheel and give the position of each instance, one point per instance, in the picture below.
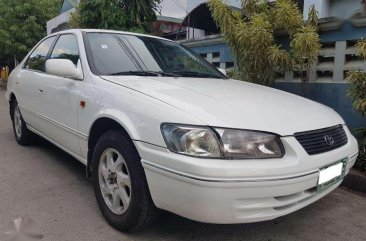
{"points": [[120, 184], [22, 135]]}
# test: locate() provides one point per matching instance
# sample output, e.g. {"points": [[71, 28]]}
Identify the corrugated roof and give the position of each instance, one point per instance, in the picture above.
{"points": [[169, 19]]}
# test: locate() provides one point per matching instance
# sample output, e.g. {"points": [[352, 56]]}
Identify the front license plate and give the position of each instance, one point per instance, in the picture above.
{"points": [[330, 175]]}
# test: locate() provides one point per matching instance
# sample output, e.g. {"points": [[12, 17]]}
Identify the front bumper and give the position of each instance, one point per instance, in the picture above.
{"points": [[238, 191]]}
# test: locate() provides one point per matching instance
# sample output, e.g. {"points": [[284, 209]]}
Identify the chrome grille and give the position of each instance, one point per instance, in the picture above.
{"points": [[322, 140]]}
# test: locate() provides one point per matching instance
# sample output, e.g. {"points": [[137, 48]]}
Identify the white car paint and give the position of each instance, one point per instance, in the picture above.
{"points": [[236, 104], [208, 190]]}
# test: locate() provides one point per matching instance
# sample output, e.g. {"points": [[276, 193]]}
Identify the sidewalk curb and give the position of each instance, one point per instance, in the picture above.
{"points": [[355, 180]]}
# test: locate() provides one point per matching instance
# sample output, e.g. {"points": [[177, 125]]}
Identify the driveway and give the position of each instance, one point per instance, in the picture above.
{"points": [[47, 185]]}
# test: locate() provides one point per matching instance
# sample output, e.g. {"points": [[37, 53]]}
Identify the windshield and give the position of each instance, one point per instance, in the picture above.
{"points": [[122, 54]]}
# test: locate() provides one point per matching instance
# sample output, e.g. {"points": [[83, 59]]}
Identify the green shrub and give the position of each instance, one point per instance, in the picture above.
{"points": [[361, 160], [251, 32], [357, 92], [360, 134]]}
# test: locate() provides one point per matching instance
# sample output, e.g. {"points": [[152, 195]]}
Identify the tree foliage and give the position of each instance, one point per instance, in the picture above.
{"points": [[23, 24], [357, 91], [251, 35], [127, 15], [357, 79]]}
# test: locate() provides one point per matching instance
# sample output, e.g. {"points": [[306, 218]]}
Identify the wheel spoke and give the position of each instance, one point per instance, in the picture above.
{"points": [[124, 197], [123, 179], [116, 204], [109, 159], [104, 173], [118, 163], [106, 190]]}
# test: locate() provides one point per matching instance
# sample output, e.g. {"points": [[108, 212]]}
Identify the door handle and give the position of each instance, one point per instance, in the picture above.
{"points": [[40, 91]]}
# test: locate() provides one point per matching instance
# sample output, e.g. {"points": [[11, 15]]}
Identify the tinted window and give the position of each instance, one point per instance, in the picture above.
{"points": [[66, 48], [141, 53], [167, 56], [108, 55], [37, 59]]}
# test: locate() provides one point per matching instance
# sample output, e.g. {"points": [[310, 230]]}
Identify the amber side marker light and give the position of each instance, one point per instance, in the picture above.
{"points": [[82, 104]]}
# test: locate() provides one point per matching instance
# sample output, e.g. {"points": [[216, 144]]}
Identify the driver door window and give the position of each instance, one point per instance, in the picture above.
{"points": [[66, 48]]}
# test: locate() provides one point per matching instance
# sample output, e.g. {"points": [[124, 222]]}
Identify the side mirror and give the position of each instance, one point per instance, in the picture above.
{"points": [[64, 68], [222, 71]]}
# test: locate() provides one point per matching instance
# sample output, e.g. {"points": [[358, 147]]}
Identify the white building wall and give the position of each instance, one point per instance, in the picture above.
{"points": [[322, 6], [195, 33], [344, 8], [59, 20], [333, 8]]}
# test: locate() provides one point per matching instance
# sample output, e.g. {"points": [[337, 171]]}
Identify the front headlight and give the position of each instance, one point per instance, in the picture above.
{"points": [[250, 144], [221, 143], [193, 141]]}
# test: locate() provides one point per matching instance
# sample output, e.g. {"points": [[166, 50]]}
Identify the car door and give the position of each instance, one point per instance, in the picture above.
{"points": [[60, 97], [29, 81]]}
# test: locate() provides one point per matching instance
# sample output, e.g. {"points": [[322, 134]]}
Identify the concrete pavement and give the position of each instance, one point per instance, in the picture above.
{"points": [[49, 186]]}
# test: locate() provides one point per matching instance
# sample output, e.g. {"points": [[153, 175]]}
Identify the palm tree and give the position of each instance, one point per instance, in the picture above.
{"points": [[357, 79], [357, 92], [250, 34], [141, 12], [132, 15]]}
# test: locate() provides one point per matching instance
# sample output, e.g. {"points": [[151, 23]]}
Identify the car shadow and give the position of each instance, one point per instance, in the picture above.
{"points": [[73, 166]]}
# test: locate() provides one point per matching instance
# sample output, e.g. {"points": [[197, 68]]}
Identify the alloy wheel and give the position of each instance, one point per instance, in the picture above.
{"points": [[17, 122], [114, 181]]}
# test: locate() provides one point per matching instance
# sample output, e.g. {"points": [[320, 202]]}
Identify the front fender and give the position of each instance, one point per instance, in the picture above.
{"points": [[121, 118], [139, 114]]}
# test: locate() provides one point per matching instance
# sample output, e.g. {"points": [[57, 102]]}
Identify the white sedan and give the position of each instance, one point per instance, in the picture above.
{"points": [[158, 127]]}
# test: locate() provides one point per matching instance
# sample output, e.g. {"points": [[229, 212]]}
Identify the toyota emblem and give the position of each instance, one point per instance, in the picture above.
{"points": [[329, 140]]}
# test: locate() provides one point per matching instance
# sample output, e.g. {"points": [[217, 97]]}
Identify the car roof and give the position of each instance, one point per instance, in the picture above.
{"points": [[107, 31]]}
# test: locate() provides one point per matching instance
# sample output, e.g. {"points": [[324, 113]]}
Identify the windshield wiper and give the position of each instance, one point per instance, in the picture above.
{"points": [[146, 73], [194, 74]]}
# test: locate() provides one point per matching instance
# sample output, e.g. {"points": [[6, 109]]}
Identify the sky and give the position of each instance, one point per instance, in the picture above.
{"points": [[179, 8], [174, 8]]}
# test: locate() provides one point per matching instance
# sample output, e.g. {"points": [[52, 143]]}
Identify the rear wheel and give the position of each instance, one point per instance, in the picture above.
{"points": [[22, 135], [120, 184]]}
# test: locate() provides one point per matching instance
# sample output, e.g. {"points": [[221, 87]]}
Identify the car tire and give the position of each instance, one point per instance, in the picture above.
{"points": [[22, 134], [126, 204]]}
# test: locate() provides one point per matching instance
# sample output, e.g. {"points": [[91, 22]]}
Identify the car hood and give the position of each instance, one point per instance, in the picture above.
{"points": [[235, 104]]}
